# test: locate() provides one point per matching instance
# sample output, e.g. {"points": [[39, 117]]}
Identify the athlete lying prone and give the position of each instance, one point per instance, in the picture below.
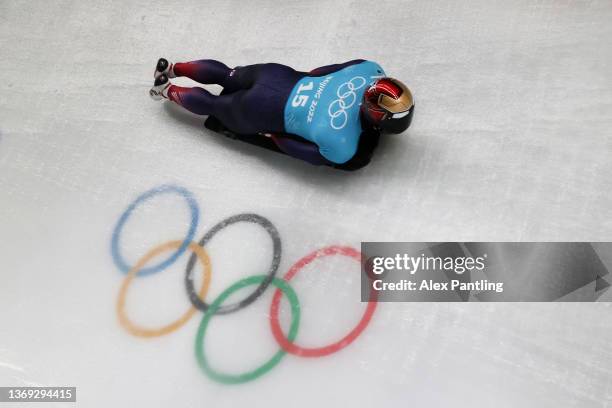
{"points": [[332, 115]]}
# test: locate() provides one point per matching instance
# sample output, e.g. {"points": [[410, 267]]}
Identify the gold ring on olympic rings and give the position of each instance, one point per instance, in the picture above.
{"points": [[140, 331]]}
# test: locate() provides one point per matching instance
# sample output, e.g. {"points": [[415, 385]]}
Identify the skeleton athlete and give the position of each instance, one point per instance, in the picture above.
{"points": [[332, 115]]}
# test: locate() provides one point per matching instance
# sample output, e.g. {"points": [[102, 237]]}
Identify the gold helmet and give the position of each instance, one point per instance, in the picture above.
{"points": [[388, 104]]}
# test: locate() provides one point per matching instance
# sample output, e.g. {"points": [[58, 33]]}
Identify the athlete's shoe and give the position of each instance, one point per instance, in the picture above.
{"points": [[164, 67], [160, 88]]}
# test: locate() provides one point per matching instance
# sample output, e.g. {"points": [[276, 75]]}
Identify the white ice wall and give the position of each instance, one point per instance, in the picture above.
{"points": [[510, 141]]}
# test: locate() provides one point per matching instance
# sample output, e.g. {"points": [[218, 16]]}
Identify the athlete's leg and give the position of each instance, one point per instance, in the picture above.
{"points": [[253, 99], [206, 71], [210, 71], [237, 111], [244, 111], [236, 79], [196, 100]]}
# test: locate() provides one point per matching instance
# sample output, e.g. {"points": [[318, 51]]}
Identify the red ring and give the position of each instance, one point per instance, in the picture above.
{"points": [[292, 348]]}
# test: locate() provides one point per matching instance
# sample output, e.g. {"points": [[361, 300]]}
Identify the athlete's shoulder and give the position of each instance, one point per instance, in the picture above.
{"points": [[366, 69], [369, 64], [338, 149]]}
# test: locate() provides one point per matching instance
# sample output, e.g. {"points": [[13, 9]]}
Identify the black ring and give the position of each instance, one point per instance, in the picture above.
{"points": [[276, 256]]}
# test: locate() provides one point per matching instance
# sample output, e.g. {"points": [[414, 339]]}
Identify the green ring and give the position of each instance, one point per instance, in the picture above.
{"points": [[267, 366]]}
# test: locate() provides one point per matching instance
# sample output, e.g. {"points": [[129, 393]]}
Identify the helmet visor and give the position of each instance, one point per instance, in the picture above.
{"points": [[398, 122]]}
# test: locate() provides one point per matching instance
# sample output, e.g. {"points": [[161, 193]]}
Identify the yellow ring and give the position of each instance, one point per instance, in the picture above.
{"points": [[169, 328]]}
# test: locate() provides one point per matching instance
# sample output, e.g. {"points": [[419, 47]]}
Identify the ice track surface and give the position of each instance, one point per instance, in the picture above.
{"points": [[511, 141]]}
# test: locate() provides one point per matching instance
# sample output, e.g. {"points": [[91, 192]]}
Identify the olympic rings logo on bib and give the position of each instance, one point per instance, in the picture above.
{"points": [[337, 109], [217, 307]]}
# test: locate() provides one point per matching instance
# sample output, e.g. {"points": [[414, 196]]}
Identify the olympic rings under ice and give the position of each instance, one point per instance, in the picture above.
{"points": [[216, 307]]}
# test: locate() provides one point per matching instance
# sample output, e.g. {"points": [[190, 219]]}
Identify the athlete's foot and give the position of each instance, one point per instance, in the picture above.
{"points": [[164, 67], [160, 88]]}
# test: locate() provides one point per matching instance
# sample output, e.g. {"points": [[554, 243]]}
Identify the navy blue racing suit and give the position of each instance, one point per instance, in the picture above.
{"points": [[261, 100]]}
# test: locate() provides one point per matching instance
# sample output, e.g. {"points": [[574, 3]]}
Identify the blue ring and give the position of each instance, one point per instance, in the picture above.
{"points": [[166, 188]]}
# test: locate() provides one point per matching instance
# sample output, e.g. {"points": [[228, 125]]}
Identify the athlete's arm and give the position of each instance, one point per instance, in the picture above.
{"points": [[302, 150], [328, 69]]}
